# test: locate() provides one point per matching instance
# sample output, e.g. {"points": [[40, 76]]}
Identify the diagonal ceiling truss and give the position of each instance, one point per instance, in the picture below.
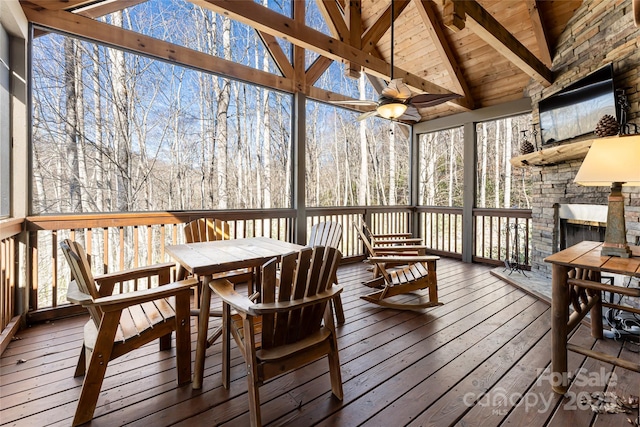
{"points": [[349, 42]]}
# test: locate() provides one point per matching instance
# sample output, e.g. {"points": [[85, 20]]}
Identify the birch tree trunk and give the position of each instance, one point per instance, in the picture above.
{"points": [[498, 158], [221, 122], [364, 177], [430, 171], [71, 126], [483, 168], [101, 150], [507, 164], [452, 166], [392, 165], [121, 125]]}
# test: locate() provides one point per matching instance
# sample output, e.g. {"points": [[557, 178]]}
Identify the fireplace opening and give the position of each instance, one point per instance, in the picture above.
{"points": [[575, 231], [575, 223]]}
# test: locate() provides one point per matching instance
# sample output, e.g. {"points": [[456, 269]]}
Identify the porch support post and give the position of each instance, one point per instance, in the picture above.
{"points": [[469, 192], [17, 28], [299, 167]]}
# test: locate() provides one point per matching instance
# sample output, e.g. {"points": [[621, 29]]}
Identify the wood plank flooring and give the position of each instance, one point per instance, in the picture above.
{"points": [[481, 359]]}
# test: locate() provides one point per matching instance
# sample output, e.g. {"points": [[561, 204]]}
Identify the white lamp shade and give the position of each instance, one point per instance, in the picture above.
{"points": [[392, 110], [615, 159]]}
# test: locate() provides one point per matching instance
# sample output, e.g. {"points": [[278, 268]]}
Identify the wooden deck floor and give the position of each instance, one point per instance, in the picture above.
{"points": [[479, 359]]}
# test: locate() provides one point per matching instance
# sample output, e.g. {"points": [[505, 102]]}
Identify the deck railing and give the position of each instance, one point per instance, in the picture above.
{"points": [[502, 236], [441, 229], [125, 240], [9, 232]]}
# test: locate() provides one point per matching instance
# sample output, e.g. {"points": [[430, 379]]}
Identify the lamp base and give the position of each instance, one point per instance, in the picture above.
{"points": [[622, 252], [615, 237]]}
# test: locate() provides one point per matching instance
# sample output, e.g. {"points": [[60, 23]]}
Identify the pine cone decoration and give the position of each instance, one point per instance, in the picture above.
{"points": [[526, 147], [607, 126]]}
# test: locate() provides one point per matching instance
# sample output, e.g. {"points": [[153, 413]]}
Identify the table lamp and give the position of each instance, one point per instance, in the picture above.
{"points": [[614, 162]]}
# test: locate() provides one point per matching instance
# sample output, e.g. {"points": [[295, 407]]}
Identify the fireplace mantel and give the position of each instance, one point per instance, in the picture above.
{"points": [[554, 155]]}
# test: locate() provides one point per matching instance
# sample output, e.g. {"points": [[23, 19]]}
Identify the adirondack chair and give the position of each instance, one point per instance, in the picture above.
{"points": [[329, 233], [417, 272], [123, 322], [390, 239], [209, 230], [397, 253], [284, 331]]}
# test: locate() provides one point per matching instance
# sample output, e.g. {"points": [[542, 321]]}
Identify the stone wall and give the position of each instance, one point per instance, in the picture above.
{"points": [[599, 33]]}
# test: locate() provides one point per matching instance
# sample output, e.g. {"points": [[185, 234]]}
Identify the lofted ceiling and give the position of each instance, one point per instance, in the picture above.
{"points": [[488, 51]]}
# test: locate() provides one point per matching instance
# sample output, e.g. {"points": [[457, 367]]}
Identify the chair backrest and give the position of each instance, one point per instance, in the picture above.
{"points": [[81, 273], [302, 274], [365, 240], [206, 230], [328, 233]]}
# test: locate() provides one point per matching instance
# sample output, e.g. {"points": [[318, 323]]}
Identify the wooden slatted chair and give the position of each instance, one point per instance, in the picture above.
{"points": [[329, 233], [390, 239], [399, 250], [209, 230], [123, 322], [284, 331], [417, 272]]}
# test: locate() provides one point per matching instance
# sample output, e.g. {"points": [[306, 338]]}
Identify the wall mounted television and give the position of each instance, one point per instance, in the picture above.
{"points": [[576, 109]]}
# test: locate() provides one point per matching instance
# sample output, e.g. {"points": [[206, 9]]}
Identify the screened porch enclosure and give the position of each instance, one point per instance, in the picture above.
{"points": [[129, 119]]}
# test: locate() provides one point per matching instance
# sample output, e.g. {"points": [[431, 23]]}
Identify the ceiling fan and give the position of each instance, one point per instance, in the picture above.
{"points": [[396, 100]]}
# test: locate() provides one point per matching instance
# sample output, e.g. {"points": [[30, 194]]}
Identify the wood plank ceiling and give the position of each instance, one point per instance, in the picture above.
{"points": [[488, 51]]}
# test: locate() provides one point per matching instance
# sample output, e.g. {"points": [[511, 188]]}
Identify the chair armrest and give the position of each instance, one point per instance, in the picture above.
{"points": [[403, 258], [121, 301], [400, 248], [276, 307], [134, 273], [391, 235], [224, 289], [405, 241], [75, 296]]}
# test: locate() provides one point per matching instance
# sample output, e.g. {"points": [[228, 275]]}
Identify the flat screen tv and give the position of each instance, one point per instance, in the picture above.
{"points": [[576, 109]]}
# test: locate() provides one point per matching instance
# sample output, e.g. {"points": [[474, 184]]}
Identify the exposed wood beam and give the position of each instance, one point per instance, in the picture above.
{"points": [[299, 63], [381, 25], [540, 32], [263, 19], [354, 17], [334, 18], [322, 95], [355, 23], [316, 69], [81, 26], [277, 54], [461, 13], [63, 4], [105, 8], [432, 23]]}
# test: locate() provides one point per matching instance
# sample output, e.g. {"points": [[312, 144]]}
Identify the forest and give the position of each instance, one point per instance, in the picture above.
{"points": [[118, 132]]}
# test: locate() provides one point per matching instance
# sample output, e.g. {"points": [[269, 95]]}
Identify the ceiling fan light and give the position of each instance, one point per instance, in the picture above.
{"points": [[392, 110]]}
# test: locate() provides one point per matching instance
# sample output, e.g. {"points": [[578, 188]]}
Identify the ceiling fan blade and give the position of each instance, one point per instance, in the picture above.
{"points": [[402, 89], [362, 102], [424, 100], [396, 89], [411, 114], [367, 115]]}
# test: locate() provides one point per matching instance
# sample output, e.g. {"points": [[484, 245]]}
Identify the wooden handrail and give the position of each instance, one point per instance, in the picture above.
{"points": [[11, 227], [125, 240]]}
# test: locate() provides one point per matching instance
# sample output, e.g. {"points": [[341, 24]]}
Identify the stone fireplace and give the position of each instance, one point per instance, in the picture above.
{"points": [[564, 212]]}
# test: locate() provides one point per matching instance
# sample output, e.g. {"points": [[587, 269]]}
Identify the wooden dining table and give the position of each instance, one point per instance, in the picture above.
{"points": [[204, 259]]}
